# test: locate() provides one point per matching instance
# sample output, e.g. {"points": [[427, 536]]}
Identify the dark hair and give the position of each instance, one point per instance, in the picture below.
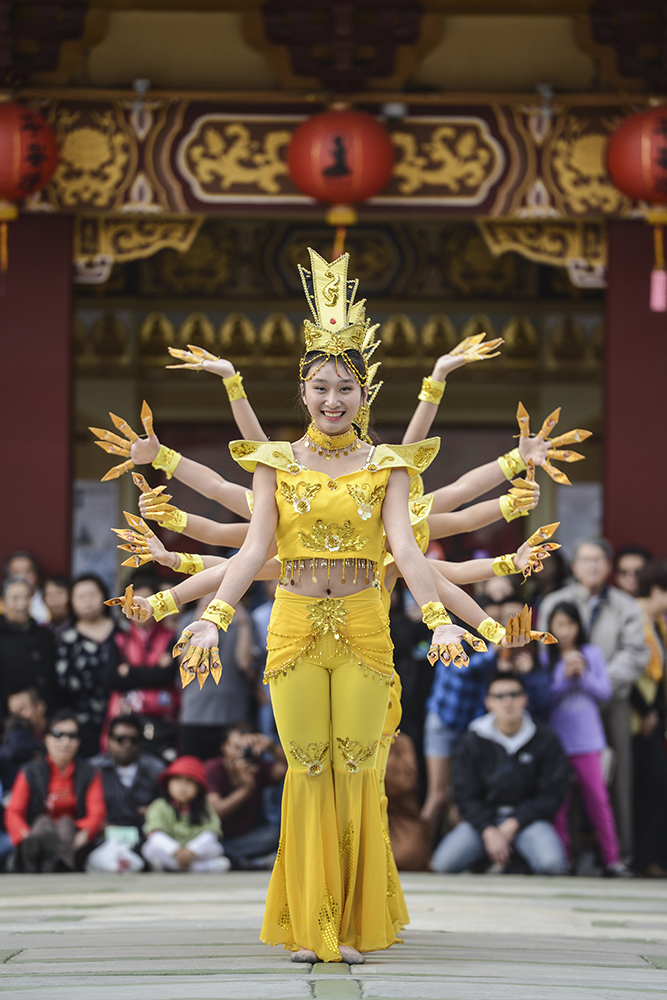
{"points": [[509, 675], [21, 554], [242, 726], [131, 719], [146, 578], [353, 362], [59, 581], [31, 690], [654, 574], [197, 809], [600, 543], [99, 583], [63, 715], [632, 550], [571, 611]]}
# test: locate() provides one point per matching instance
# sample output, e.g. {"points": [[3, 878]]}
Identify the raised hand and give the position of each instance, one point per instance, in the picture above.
{"points": [[522, 497], [447, 647], [473, 348], [197, 359], [199, 644], [115, 445], [518, 631], [529, 557], [136, 608], [554, 445]]}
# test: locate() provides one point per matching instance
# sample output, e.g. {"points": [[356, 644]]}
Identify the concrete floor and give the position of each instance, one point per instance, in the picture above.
{"points": [[194, 937]]}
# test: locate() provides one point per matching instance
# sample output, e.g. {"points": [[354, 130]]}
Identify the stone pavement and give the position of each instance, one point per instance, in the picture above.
{"points": [[194, 937]]}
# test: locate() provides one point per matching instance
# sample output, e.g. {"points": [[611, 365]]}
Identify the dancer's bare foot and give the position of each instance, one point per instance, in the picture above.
{"points": [[351, 955], [305, 955]]}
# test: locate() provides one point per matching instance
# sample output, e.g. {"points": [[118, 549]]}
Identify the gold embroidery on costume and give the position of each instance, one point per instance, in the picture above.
{"points": [[419, 508], [354, 753], [328, 615], [416, 487], [240, 449], [311, 756], [283, 916], [391, 884], [330, 290], [424, 456], [332, 484], [328, 920], [366, 498], [333, 537], [346, 850], [300, 495]]}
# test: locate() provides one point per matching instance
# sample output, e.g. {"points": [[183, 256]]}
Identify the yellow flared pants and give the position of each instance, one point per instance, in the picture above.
{"points": [[335, 880]]}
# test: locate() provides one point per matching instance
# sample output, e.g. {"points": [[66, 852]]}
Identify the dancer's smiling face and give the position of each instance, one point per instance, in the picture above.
{"points": [[333, 397]]}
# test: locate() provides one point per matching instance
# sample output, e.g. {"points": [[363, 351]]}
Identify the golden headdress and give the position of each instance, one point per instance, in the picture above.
{"points": [[340, 323]]}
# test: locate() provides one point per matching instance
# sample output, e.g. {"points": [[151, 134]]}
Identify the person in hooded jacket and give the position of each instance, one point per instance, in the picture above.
{"points": [[510, 779]]}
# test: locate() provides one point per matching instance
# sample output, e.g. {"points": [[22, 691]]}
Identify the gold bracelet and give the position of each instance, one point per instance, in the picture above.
{"points": [[177, 521], [509, 510], [189, 563], [163, 604], [220, 614], [431, 391], [167, 459], [504, 565], [491, 630], [512, 463], [234, 387], [434, 614]]}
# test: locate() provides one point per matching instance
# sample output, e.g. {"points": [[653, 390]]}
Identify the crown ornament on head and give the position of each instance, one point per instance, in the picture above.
{"points": [[340, 323]]}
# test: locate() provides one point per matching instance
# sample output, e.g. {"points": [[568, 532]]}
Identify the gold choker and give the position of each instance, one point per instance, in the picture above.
{"points": [[325, 444]]}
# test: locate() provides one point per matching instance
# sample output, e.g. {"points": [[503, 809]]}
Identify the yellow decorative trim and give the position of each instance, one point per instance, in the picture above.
{"points": [[432, 391], [189, 563], [512, 463], [163, 603], [510, 510], [416, 457], [177, 521], [311, 756], [434, 614], [332, 537], [504, 565], [354, 753], [234, 387], [166, 459], [491, 630], [275, 454], [220, 614]]}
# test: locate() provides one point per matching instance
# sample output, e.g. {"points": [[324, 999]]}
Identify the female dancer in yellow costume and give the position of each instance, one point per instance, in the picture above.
{"points": [[329, 650]]}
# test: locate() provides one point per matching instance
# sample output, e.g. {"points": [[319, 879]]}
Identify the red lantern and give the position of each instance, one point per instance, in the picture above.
{"points": [[342, 157], [28, 158], [637, 164]]}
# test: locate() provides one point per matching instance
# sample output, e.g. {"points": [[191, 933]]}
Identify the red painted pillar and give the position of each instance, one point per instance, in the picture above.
{"points": [[36, 390], [635, 464]]}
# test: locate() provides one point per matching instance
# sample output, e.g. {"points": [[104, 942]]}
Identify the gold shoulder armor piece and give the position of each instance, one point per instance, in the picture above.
{"points": [[414, 457], [276, 454]]}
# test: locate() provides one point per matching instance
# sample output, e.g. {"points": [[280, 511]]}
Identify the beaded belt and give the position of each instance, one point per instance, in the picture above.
{"points": [[290, 570]]}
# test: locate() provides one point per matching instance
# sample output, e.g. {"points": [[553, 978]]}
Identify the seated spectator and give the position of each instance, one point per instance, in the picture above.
{"points": [[144, 682], [85, 654], [29, 705], [510, 779], [57, 804], [130, 782], [182, 831], [649, 713], [26, 649], [628, 564], [579, 682], [24, 566], [203, 719], [56, 590], [409, 833], [235, 784], [23, 734]]}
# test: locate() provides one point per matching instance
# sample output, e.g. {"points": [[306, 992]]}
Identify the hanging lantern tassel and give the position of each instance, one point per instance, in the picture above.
{"points": [[658, 300], [339, 242]]}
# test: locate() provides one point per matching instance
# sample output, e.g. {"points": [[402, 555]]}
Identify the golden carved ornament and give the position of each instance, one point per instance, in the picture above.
{"points": [[460, 157], [237, 335], [119, 239], [438, 336], [399, 339], [567, 344], [156, 335], [110, 340], [197, 329], [575, 170], [549, 242], [277, 338], [219, 155], [98, 159], [522, 345], [479, 323]]}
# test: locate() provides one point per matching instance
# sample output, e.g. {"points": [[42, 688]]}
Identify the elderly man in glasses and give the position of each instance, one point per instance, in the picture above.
{"points": [[129, 778], [56, 808], [510, 778]]}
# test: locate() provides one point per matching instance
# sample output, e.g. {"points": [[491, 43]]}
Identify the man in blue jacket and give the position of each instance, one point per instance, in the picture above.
{"points": [[510, 778]]}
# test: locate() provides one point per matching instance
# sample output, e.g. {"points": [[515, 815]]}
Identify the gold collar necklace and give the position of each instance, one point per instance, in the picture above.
{"points": [[325, 444]]}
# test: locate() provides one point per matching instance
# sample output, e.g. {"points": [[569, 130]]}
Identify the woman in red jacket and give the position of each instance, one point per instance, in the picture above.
{"points": [[57, 804]]}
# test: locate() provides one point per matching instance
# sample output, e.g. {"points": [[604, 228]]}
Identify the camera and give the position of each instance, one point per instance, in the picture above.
{"points": [[249, 755]]}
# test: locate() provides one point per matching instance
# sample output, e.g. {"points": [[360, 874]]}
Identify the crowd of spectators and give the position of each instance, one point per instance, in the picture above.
{"points": [[548, 759]]}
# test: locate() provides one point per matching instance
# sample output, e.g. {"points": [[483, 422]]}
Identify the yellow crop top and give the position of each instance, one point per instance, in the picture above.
{"points": [[322, 517]]}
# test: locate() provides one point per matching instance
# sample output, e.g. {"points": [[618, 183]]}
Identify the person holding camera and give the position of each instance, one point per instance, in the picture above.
{"points": [[250, 762]]}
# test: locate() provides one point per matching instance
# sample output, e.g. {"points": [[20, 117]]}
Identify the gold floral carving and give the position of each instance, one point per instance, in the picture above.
{"points": [[122, 239], [460, 157], [98, 159], [332, 537], [555, 243], [219, 155], [575, 169]]}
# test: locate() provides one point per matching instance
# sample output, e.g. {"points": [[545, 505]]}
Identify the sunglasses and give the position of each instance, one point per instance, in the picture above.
{"points": [[62, 734], [125, 739], [508, 694]]}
